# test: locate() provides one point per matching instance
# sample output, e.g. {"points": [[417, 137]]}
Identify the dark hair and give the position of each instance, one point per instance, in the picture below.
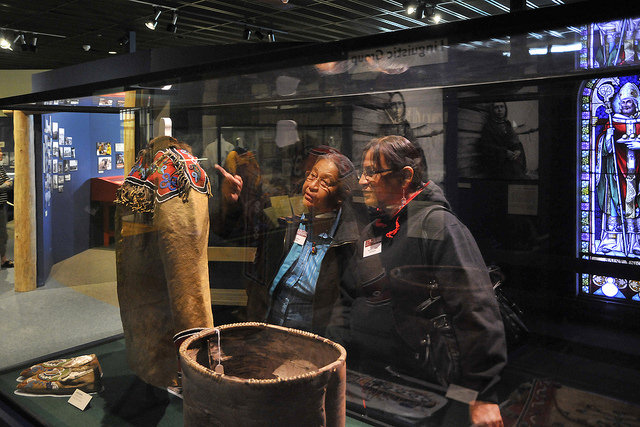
{"points": [[399, 152]]}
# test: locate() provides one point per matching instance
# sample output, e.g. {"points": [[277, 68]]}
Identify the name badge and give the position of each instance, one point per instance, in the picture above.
{"points": [[301, 237], [372, 247]]}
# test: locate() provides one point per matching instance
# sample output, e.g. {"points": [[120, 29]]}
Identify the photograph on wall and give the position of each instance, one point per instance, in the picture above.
{"points": [[103, 148], [54, 182], [73, 153], [65, 166], [60, 188], [498, 140], [68, 140], [55, 149], [119, 160], [66, 151], [73, 165], [119, 147], [54, 166], [67, 177], [104, 164], [54, 131], [418, 116], [61, 136], [60, 180]]}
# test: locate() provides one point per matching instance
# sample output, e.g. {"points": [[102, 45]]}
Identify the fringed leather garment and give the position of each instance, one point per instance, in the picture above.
{"points": [[162, 229]]}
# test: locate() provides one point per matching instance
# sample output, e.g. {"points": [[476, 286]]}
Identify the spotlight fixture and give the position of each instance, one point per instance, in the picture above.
{"points": [[152, 24], [23, 43], [4, 43], [172, 27], [33, 47], [86, 47], [420, 10], [271, 37], [410, 7], [246, 34]]}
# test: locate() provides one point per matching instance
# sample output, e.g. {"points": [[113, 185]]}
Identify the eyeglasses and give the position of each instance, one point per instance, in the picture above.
{"points": [[370, 172], [324, 183]]}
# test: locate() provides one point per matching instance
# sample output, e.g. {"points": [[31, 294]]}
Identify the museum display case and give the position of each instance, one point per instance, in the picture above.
{"points": [[528, 127]]}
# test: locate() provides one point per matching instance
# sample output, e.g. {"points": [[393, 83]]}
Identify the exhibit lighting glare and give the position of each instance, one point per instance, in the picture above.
{"points": [[436, 18], [4, 43], [152, 24], [172, 27], [538, 51], [573, 47], [166, 87]]}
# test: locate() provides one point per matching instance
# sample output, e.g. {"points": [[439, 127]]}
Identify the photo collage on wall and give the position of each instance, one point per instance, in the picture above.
{"points": [[58, 158], [104, 151]]}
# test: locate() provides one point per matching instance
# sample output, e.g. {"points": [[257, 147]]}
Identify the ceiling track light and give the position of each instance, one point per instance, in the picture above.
{"points": [[152, 24], [246, 34], [172, 27], [271, 37], [33, 47]]}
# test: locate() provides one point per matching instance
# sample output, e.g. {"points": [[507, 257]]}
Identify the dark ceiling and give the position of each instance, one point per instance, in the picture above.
{"points": [[63, 27]]}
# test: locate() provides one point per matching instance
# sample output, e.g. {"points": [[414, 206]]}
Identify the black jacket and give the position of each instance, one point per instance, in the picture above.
{"points": [[449, 333]]}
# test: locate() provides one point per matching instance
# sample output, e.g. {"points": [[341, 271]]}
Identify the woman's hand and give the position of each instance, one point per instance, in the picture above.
{"points": [[233, 188], [485, 414]]}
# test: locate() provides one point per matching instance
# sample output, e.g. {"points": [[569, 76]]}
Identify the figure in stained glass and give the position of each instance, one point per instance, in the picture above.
{"points": [[618, 153]]}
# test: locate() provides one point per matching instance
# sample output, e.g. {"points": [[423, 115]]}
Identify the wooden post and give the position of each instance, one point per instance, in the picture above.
{"points": [[129, 123], [25, 249]]}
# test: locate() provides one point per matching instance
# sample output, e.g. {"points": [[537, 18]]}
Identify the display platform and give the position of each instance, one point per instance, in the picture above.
{"points": [[124, 400]]}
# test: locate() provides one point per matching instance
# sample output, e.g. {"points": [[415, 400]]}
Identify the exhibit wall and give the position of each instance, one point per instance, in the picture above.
{"points": [[75, 147]]}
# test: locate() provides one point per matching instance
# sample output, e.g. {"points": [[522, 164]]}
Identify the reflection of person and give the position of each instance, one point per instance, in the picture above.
{"points": [[162, 226], [617, 184], [502, 153], [6, 184], [416, 228], [305, 288]]}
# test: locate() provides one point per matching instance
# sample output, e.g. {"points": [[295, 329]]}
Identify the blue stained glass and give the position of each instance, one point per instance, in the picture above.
{"points": [[585, 117], [584, 200], [585, 229], [619, 295], [586, 91], [585, 206], [584, 246], [585, 236], [585, 137], [585, 145], [636, 297]]}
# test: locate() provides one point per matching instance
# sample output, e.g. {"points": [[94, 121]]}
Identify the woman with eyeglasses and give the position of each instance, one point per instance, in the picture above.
{"points": [[305, 289], [424, 306]]}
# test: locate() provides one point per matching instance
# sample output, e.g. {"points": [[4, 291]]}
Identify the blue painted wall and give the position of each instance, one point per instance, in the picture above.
{"points": [[65, 229]]}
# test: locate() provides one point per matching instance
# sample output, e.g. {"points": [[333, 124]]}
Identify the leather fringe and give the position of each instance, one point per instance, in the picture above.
{"points": [[136, 197]]}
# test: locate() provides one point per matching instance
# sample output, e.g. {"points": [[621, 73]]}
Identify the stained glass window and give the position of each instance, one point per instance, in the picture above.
{"points": [[609, 182], [610, 44]]}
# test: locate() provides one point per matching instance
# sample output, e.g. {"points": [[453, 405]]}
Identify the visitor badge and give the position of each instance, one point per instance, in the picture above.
{"points": [[461, 394], [372, 247], [301, 237]]}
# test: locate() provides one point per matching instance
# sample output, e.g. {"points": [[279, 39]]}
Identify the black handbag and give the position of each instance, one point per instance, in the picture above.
{"points": [[515, 330]]}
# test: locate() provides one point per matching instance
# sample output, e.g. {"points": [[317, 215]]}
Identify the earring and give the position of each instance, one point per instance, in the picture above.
{"points": [[404, 199]]}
